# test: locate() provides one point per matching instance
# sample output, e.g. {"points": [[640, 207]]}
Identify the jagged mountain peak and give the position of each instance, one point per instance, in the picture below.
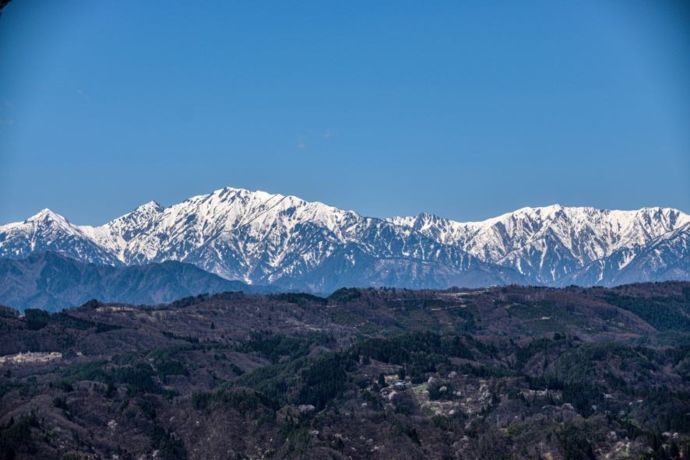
{"points": [[49, 231], [147, 210], [550, 242], [570, 214], [44, 222], [259, 199], [262, 237], [150, 206], [232, 208], [544, 211], [46, 215]]}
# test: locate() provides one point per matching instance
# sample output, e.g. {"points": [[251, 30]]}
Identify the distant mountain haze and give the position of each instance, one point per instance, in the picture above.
{"points": [[53, 282], [283, 241]]}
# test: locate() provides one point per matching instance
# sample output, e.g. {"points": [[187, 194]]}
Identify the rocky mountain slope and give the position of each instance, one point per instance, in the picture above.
{"points": [[556, 245], [263, 238]]}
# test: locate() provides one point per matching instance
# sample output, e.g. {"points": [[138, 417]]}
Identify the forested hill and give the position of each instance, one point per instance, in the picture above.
{"points": [[509, 372]]}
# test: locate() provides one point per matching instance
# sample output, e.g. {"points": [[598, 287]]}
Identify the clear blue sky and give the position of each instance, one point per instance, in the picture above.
{"points": [[463, 108]]}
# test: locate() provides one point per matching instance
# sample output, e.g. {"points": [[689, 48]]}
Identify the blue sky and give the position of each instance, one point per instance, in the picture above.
{"points": [[465, 109]]}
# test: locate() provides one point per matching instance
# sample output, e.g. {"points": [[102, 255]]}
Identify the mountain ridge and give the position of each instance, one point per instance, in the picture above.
{"points": [[283, 240], [51, 281]]}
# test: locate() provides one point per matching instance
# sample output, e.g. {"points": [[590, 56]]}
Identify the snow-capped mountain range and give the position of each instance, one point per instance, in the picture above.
{"points": [[271, 239]]}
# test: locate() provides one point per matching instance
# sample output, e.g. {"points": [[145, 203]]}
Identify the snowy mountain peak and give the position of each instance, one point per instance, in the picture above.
{"points": [[264, 238], [150, 206], [145, 211], [549, 210], [49, 231], [46, 215], [548, 243]]}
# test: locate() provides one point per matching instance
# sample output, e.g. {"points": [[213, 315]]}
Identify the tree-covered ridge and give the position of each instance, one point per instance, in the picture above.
{"points": [[375, 373]]}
